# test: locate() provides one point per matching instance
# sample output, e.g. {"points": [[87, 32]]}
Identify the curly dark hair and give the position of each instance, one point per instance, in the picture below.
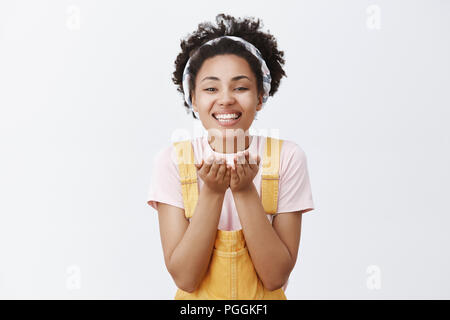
{"points": [[248, 29]]}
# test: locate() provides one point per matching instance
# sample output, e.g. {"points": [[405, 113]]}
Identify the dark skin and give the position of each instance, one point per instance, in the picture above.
{"points": [[188, 245], [273, 256], [237, 177]]}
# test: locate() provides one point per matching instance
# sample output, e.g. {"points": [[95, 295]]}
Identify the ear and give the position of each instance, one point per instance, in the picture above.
{"points": [[193, 103], [260, 102]]}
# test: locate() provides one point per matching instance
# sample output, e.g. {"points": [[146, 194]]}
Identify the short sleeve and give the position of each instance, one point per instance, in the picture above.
{"points": [[294, 192], [165, 183]]}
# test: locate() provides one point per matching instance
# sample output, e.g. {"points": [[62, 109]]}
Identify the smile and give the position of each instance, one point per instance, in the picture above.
{"points": [[227, 119]]}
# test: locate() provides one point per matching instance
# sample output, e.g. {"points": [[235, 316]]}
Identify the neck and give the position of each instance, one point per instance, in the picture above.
{"points": [[232, 144]]}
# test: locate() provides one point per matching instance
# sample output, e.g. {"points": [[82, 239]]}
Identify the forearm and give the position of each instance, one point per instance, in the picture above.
{"points": [[190, 259], [269, 254]]}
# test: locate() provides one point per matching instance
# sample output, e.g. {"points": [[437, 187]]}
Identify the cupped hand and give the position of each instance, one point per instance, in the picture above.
{"points": [[246, 167], [215, 173]]}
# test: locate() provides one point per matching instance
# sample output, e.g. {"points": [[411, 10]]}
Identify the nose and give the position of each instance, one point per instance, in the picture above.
{"points": [[226, 97]]}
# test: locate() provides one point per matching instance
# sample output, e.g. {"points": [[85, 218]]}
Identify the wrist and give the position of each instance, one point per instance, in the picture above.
{"points": [[245, 191], [213, 192]]}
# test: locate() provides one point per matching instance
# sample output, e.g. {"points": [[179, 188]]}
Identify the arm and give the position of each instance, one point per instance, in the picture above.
{"points": [[188, 246], [273, 248]]}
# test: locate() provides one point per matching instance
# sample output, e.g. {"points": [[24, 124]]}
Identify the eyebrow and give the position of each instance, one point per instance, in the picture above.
{"points": [[232, 79]]}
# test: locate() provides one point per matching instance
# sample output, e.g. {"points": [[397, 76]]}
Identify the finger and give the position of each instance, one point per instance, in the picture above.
{"points": [[240, 158], [222, 170], [210, 159], [239, 169], [228, 173], [231, 164], [234, 176], [199, 165], [252, 158], [246, 156], [214, 168], [243, 161], [227, 177], [252, 162], [208, 164]]}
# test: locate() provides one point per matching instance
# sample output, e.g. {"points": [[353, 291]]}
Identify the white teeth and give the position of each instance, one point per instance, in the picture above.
{"points": [[225, 120], [227, 116]]}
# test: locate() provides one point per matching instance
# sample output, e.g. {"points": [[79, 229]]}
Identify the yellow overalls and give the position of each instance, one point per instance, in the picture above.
{"points": [[231, 274]]}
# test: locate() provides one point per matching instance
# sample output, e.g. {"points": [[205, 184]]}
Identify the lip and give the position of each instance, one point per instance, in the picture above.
{"points": [[228, 123], [227, 112]]}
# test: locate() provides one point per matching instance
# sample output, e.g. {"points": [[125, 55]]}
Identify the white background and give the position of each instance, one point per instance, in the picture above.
{"points": [[87, 100]]}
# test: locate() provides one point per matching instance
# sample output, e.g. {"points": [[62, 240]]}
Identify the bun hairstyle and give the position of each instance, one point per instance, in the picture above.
{"points": [[247, 29]]}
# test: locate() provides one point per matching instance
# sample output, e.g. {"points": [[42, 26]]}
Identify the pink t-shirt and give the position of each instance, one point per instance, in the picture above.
{"points": [[294, 189]]}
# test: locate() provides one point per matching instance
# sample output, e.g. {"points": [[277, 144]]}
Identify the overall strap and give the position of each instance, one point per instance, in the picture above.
{"points": [[269, 175], [188, 175]]}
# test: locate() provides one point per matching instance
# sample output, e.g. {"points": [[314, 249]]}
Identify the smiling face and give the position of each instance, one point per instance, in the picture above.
{"points": [[226, 95]]}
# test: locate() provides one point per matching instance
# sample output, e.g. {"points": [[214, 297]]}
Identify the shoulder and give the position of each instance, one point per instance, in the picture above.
{"points": [[292, 159], [291, 151]]}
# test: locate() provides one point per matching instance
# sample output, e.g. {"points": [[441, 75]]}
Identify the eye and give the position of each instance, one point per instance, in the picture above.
{"points": [[243, 89]]}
